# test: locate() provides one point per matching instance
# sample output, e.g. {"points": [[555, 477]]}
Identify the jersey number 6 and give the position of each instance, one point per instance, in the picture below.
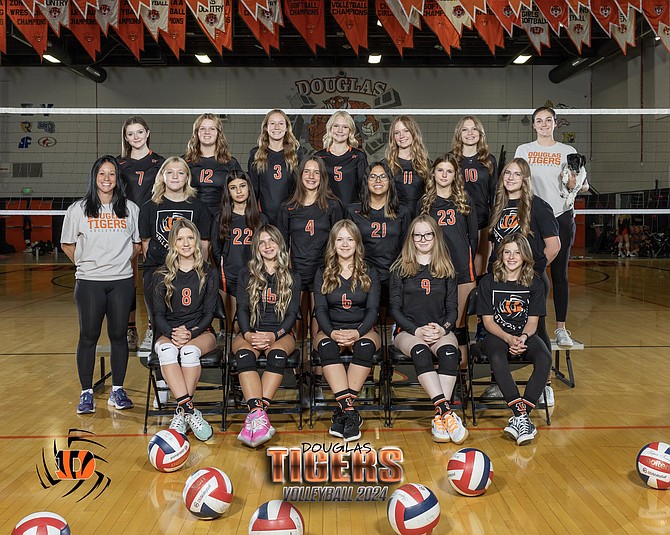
{"points": [[269, 297], [346, 303]]}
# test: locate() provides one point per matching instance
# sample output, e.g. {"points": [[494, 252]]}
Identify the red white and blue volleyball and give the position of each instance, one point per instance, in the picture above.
{"points": [[168, 450], [276, 517], [43, 523], [470, 472], [653, 465], [208, 493], [413, 509]]}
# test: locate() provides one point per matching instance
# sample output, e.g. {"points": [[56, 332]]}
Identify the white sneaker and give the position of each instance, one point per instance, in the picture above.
{"points": [[455, 428], [549, 393], [163, 395], [178, 422], [492, 391], [563, 337], [145, 346], [439, 430]]}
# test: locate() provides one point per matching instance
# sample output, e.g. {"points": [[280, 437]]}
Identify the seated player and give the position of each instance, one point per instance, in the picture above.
{"points": [[185, 294], [346, 295], [268, 297], [511, 300], [424, 303]]}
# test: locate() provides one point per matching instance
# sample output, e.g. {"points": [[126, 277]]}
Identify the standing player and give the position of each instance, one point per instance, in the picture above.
{"points": [[547, 159], [138, 166], [511, 300], [345, 163], [424, 303], [273, 163], [268, 301], [209, 159], [232, 230], [346, 295], [185, 294], [381, 221], [623, 234], [480, 171], [447, 203], [100, 237], [407, 158]]}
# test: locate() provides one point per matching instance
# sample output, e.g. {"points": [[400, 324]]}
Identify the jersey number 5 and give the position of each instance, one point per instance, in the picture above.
{"points": [[346, 303], [446, 217], [186, 297], [425, 284], [337, 173], [309, 227]]}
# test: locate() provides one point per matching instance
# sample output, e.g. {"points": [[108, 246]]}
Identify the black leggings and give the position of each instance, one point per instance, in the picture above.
{"points": [[496, 350], [541, 321], [559, 267], [95, 300]]}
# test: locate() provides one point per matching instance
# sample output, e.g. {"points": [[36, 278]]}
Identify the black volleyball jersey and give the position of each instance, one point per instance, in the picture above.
{"points": [[139, 176], [543, 225], [409, 185], [481, 186], [382, 237], [191, 307], [232, 254], [306, 230], [510, 303], [156, 221], [268, 320], [344, 308], [208, 176], [421, 299], [274, 185], [345, 173], [460, 234]]}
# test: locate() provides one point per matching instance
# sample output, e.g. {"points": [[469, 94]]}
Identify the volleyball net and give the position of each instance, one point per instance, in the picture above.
{"points": [[46, 153]]}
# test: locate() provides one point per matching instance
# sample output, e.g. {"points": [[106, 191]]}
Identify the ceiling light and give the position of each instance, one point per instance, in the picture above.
{"points": [[51, 58], [203, 58], [374, 58], [521, 59], [379, 22]]}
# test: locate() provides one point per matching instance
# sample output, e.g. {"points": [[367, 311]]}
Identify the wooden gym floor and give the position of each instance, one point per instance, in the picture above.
{"points": [[578, 476]]}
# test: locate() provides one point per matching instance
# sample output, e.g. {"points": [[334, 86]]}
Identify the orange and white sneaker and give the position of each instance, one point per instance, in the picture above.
{"points": [[439, 430], [457, 431]]}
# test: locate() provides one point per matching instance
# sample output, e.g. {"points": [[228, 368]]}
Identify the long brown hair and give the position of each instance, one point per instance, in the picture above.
{"points": [[126, 149], [420, 159], [333, 270], [291, 144], [252, 216], [527, 273], [483, 153], [523, 204], [222, 151], [458, 193], [323, 192]]}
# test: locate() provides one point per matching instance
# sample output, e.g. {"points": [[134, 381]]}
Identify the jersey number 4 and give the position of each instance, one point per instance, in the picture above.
{"points": [[446, 217], [237, 236], [309, 227], [186, 297], [425, 284]]}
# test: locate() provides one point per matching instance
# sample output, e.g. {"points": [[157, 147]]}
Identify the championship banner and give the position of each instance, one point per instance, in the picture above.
{"points": [[624, 5], [3, 28], [472, 6], [456, 14], [255, 8], [130, 28], [82, 5], [86, 29], [439, 23], [656, 11], [401, 38], [352, 16], [579, 28], [664, 34], [264, 36], [175, 37], [155, 17], [135, 5], [624, 32], [401, 16], [215, 20], [308, 17], [57, 13], [106, 14], [516, 5], [270, 16], [30, 5], [32, 26], [536, 27], [556, 13], [505, 14], [605, 12], [574, 5], [491, 30], [409, 6]]}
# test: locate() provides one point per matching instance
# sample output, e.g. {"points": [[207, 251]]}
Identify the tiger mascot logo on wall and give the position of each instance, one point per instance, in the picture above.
{"points": [[365, 125]]}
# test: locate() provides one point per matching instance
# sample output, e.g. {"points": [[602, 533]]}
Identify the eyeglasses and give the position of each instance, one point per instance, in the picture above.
{"points": [[378, 178], [428, 236], [516, 174]]}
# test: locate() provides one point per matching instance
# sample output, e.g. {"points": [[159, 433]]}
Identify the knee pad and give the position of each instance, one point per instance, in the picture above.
{"points": [[167, 353], [276, 361], [461, 335], [423, 359], [329, 352], [448, 358], [190, 356], [246, 360], [363, 351]]}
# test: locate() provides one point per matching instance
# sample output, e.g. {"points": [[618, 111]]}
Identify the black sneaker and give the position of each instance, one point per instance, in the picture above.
{"points": [[352, 426], [527, 430], [337, 428]]}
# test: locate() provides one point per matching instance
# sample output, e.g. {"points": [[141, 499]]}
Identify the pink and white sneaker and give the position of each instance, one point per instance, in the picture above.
{"points": [[262, 430], [246, 434]]}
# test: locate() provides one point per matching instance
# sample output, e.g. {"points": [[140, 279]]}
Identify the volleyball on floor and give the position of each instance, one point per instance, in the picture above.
{"points": [[653, 465], [413, 509], [208, 493], [168, 450], [276, 517], [43, 523], [470, 472]]}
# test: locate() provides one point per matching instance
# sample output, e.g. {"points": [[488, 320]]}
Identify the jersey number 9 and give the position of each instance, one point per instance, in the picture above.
{"points": [[425, 284]]}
